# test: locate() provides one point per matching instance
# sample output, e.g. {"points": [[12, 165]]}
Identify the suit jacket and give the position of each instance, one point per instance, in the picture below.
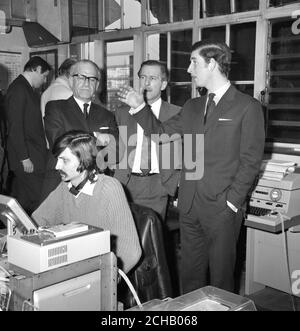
{"points": [[65, 115], [228, 158], [169, 175], [26, 137]]}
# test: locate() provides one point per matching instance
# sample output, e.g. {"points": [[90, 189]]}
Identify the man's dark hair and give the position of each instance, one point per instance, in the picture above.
{"points": [[82, 145], [35, 62], [64, 69], [163, 68], [219, 51]]}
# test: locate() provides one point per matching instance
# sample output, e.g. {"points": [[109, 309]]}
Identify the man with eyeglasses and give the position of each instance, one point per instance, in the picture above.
{"points": [[79, 112]]}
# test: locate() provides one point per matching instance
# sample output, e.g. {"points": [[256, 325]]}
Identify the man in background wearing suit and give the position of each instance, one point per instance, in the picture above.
{"points": [[211, 205], [149, 186], [78, 113], [26, 144]]}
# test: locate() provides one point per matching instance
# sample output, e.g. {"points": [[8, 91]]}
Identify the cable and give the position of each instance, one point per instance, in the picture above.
{"points": [[284, 239], [131, 288], [5, 271]]}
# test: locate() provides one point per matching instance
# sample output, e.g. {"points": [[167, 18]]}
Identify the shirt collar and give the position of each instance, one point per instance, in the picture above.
{"points": [[88, 188], [220, 92], [81, 103], [155, 107]]}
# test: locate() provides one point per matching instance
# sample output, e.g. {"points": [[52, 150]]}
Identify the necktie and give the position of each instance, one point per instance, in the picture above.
{"points": [[146, 155], [85, 110], [75, 190], [210, 106]]}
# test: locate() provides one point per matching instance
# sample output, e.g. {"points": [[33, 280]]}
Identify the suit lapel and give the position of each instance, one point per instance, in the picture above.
{"points": [[198, 118], [164, 112], [223, 105], [77, 112]]}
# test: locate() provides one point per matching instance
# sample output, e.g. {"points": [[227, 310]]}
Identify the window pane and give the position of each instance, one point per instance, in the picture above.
{"points": [[84, 17], [180, 94], [246, 5], [179, 89], [283, 96], [217, 34], [132, 14], [285, 134], [159, 11], [243, 57], [119, 69], [281, 2], [157, 47], [112, 14], [181, 43], [183, 10], [284, 114], [287, 97], [217, 7], [246, 88]]}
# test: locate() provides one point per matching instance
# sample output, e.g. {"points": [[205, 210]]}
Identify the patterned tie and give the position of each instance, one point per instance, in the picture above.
{"points": [[85, 110], [210, 106]]}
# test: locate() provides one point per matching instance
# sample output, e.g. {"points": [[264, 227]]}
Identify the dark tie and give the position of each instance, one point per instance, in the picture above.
{"points": [[85, 110], [210, 106], [146, 155], [75, 190]]}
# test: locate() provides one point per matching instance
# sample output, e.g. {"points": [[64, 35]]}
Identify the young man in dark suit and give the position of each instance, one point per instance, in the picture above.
{"points": [[79, 112], [26, 144], [150, 188], [230, 128]]}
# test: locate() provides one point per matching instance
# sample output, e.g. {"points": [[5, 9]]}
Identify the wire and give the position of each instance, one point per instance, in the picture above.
{"points": [[284, 239], [5, 271], [131, 288]]}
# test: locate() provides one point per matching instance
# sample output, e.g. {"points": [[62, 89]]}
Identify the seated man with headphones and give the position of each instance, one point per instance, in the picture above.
{"points": [[86, 196]]}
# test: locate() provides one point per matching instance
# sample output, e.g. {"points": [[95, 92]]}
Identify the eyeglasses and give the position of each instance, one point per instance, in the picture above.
{"points": [[82, 78]]}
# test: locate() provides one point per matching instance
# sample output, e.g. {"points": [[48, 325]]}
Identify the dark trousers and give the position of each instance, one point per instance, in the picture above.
{"points": [[148, 192], [26, 188], [208, 247]]}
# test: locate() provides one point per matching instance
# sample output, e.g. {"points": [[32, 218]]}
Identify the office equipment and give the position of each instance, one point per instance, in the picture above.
{"points": [[18, 222], [44, 249], [41, 251], [271, 197], [90, 284], [273, 202], [208, 298]]}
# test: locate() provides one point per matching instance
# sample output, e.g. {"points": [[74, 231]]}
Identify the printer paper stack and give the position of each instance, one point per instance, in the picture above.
{"points": [[276, 169]]}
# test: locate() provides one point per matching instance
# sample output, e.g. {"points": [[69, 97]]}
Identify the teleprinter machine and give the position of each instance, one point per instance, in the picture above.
{"points": [[42, 249], [270, 198]]}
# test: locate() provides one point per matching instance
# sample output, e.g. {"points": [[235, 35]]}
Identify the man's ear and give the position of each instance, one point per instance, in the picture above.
{"points": [[70, 80], [164, 85], [38, 69], [212, 64]]}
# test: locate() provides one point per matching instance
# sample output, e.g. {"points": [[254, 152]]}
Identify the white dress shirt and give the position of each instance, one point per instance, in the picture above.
{"points": [[155, 107], [81, 103]]}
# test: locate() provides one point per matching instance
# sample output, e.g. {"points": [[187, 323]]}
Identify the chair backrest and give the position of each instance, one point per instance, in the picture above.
{"points": [[151, 277], [5, 295]]}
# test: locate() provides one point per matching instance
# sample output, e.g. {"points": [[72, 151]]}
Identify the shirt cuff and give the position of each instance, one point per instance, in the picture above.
{"points": [[231, 206], [133, 111]]}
